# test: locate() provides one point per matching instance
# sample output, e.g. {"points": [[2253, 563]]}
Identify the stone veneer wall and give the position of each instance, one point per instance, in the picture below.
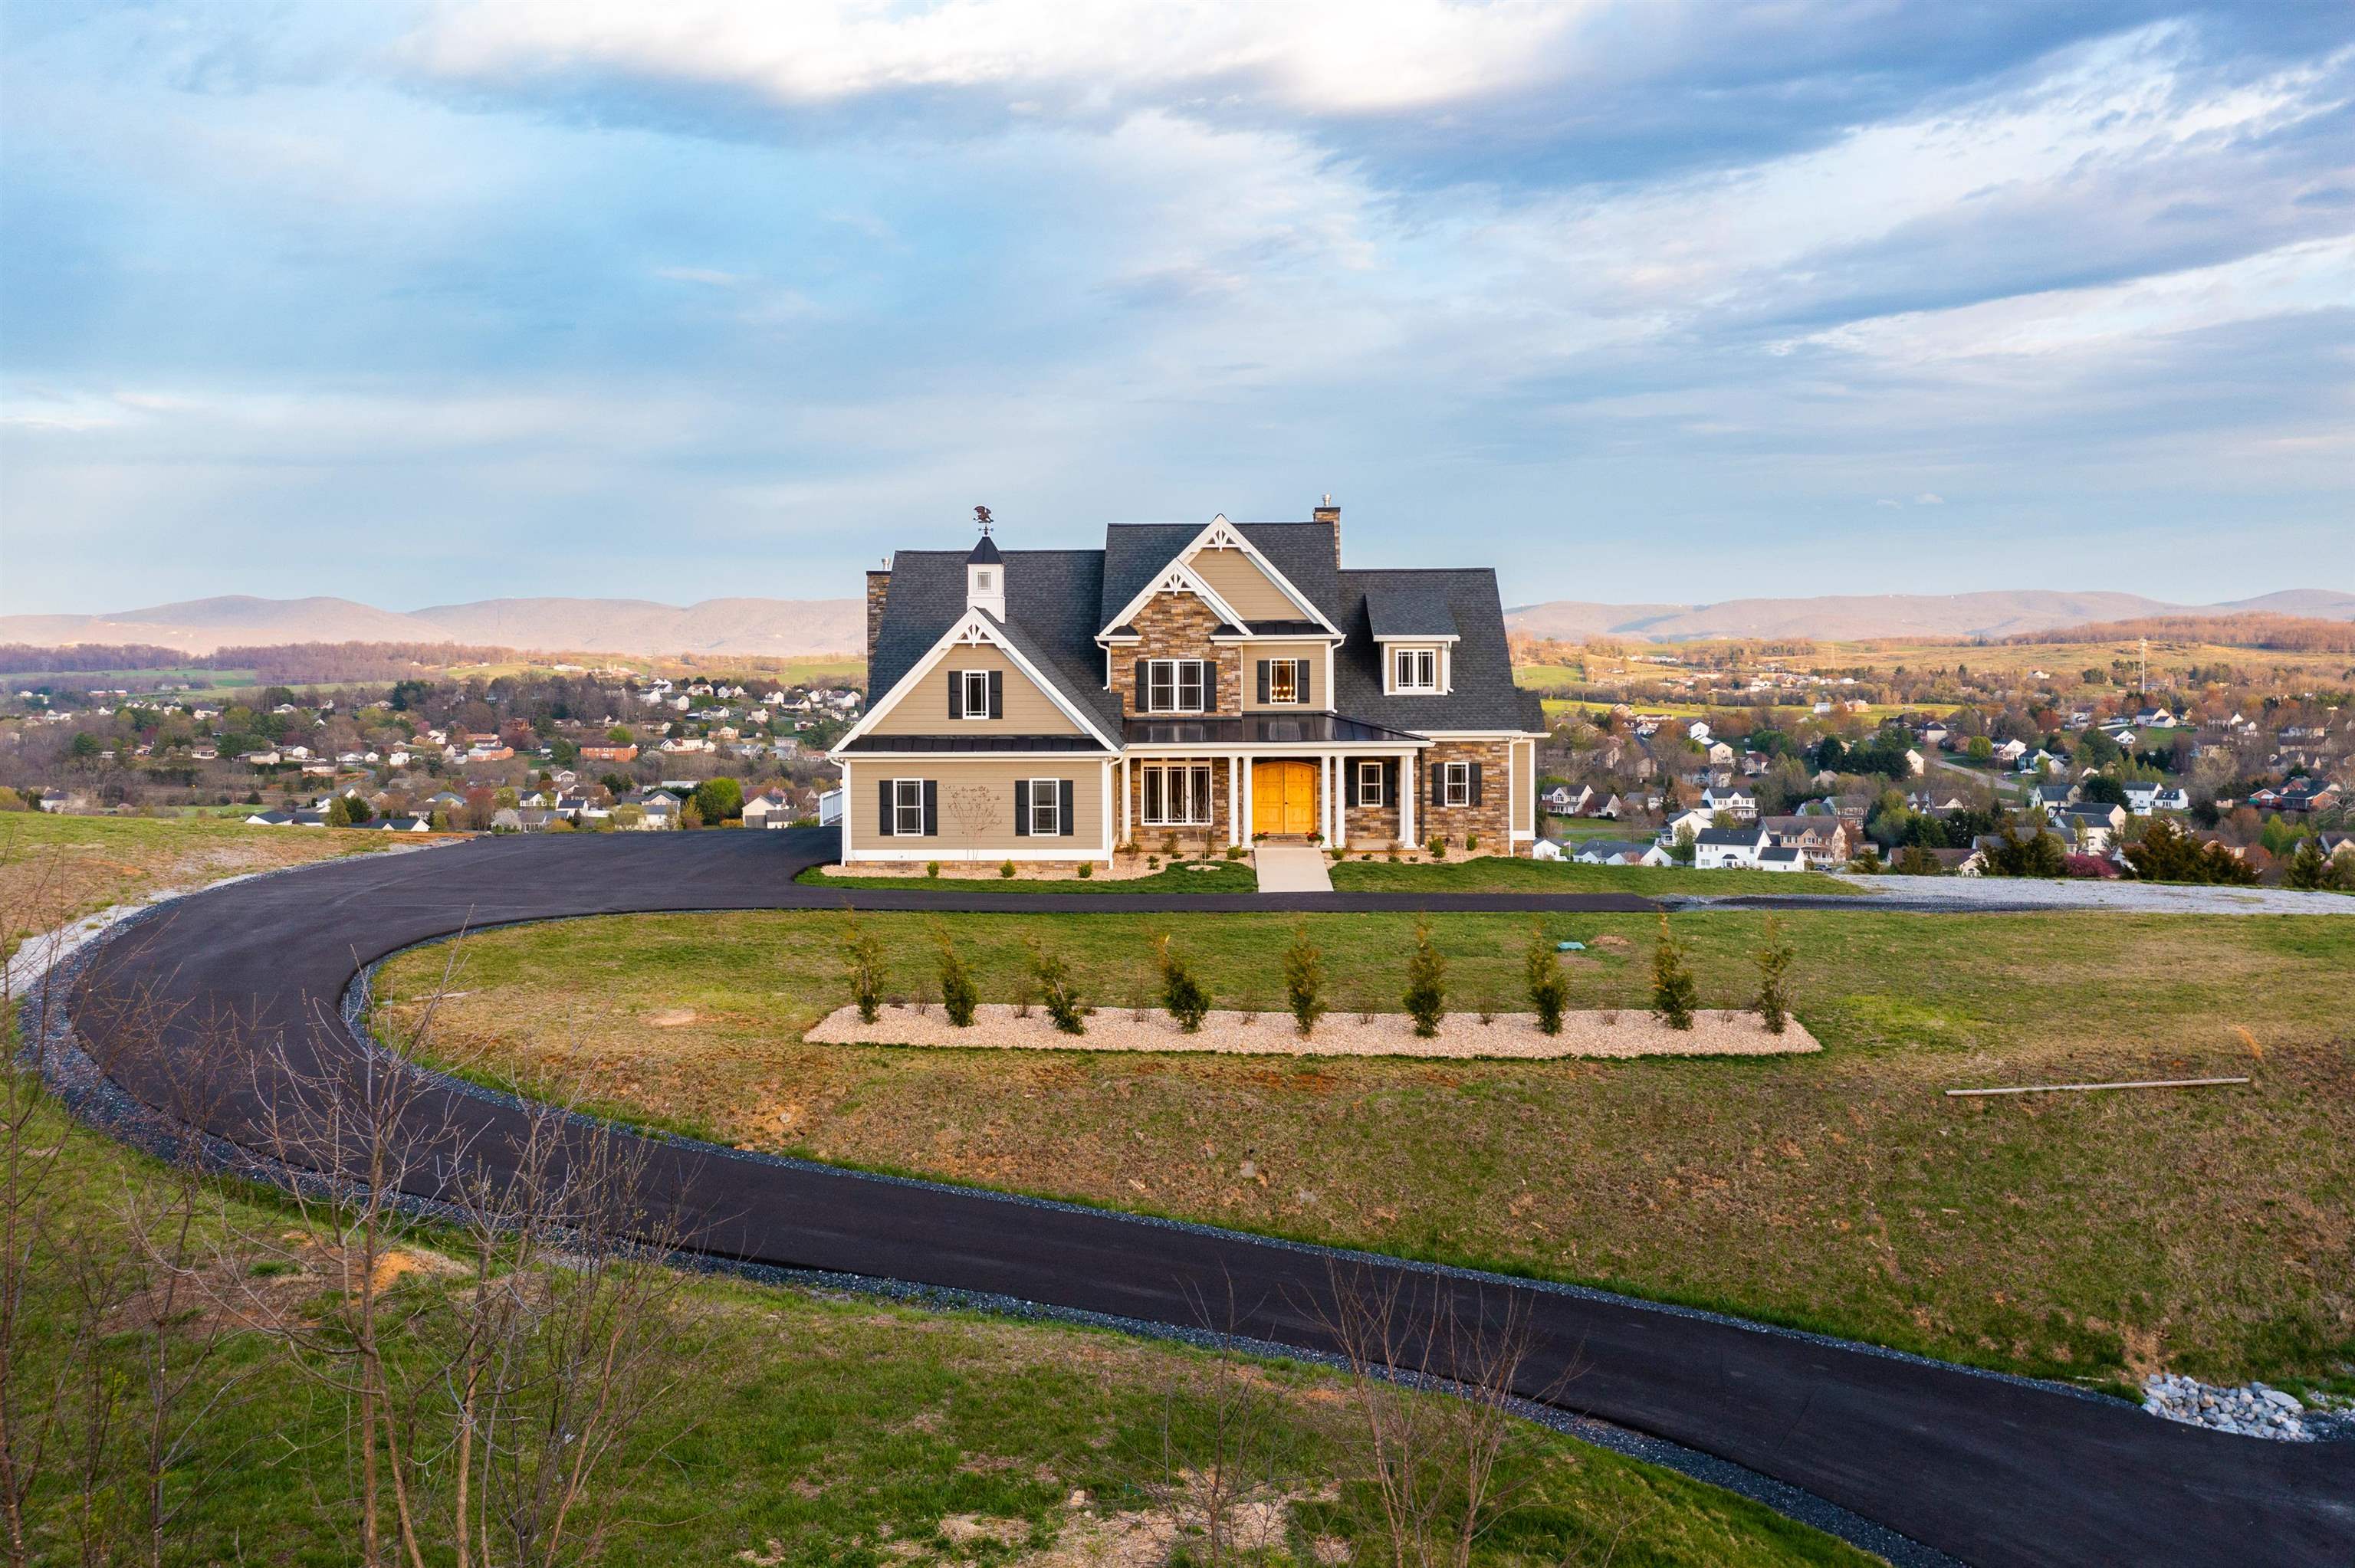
{"points": [[1374, 827], [1177, 626], [1492, 820]]}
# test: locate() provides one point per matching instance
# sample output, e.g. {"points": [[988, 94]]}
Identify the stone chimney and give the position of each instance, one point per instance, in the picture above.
{"points": [[879, 585], [1328, 512]]}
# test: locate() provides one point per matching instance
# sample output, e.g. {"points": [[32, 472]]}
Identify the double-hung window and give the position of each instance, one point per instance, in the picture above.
{"points": [[1178, 795], [1177, 685], [1369, 783], [1456, 784], [975, 693], [908, 807], [1284, 680], [1046, 806], [1417, 670]]}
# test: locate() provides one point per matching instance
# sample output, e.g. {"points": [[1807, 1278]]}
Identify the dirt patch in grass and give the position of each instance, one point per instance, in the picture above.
{"points": [[2207, 1233]]}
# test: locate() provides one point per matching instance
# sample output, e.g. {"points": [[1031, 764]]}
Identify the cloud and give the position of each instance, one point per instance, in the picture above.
{"points": [[1929, 498]]}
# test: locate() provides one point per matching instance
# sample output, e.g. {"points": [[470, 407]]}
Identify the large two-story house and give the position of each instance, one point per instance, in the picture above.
{"points": [[1227, 683]]}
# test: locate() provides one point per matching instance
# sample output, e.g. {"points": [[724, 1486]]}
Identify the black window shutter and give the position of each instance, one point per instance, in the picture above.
{"points": [[932, 807], [1475, 783], [1022, 808], [1390, 783], [1063, 810], [883, 822], [1301, 684], [1263, 678], [1438, 783], [1140, 687], [956, 693], [997, 693]]}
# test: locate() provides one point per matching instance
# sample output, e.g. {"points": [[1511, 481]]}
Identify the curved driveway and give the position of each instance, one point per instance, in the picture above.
{"points": [[1988, 1470]]}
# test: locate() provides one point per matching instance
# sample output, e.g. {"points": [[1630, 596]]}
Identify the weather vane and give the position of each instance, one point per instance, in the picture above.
{"points": [[981, 515]]}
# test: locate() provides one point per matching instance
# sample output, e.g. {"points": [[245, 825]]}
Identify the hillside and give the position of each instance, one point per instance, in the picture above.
{"points": [[1853, 617], [781, 628]]}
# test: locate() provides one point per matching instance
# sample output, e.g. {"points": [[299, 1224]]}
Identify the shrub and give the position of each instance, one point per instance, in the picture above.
{"points": [[1304, 980], [2307, 871], [1169, 845], [1549, 988], [1471, 843], [862, 959], [1774, 978], [1181, 994], [1056, 991], [1427, 982], [1438, 846], [2167, 854], [1006, 868], [1234, 852], [958, 993], [1674, 994], [931, 868], [1087, 869]]}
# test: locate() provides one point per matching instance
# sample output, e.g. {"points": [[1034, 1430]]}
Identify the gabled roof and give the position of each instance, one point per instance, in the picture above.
{"points": [[1051, 600], [1301, 554]]}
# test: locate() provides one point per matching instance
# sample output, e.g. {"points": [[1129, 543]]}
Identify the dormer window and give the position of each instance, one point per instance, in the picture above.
{"points": [[1177, 685], [977, 692], [1415, 670]]}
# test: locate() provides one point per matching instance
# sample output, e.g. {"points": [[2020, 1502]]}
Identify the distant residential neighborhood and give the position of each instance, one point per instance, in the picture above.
{"points": [[576, 750]]}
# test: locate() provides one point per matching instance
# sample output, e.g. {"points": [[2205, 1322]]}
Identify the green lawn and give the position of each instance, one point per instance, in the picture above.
{"points": [[2073, 1236], [1194, 876], [1496, 874]]}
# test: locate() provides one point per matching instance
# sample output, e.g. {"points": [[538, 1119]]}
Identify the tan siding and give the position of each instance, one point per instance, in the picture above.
{"points": [[993, 830], [1237, 578], [925, 709], [1318, 698], [1525, 785]]}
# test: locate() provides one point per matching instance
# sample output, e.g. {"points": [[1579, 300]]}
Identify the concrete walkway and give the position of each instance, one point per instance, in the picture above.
{"points": [[1290, 868]]}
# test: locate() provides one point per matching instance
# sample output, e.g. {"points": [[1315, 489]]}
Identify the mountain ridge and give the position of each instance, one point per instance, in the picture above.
{"points": [[787, 628]]}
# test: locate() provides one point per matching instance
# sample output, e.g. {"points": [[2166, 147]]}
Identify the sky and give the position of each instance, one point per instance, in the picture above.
{"points": [[417, 303]]}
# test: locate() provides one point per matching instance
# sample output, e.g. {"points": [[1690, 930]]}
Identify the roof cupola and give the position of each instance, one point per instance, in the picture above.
{"points": [[984, 570]]}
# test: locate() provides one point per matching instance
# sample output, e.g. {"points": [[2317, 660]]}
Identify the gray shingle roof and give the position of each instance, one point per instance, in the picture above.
{"points": [[1056, 601], [1409, 612]]}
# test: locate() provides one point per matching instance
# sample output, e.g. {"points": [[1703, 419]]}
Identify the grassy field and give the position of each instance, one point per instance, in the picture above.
{"points": [[1195, 877], [56, 868], [795, 1429], [2086, 1236], [1496, 874], [788, 1427]]}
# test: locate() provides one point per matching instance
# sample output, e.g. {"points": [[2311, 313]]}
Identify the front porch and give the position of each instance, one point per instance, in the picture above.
{"points": [[1234, 782]]}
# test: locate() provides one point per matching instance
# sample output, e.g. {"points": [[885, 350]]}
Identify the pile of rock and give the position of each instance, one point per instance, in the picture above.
{"points": [[2253, 1410]]}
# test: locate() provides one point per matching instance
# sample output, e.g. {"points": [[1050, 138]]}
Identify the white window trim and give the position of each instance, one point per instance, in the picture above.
{"points": [[967, 680], [1416, 657], [1290, 670], [1456, 784], [1047, 806], [1182, 777], [1369, 772], [1207, 692], [907, 797]]}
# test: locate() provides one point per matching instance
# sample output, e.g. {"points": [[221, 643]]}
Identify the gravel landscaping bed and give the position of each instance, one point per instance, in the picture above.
{"points": [[997, 1026], [2254, 1410]]}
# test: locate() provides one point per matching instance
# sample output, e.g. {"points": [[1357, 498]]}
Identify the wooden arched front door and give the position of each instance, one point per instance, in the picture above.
{"points": [[1284, 797]]}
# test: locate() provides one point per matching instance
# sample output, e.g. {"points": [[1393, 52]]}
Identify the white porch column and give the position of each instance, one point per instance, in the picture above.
{"points": [[1127, 829], [1235, 802], [1332, 801], [1406, 798], [1248, 827]]}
